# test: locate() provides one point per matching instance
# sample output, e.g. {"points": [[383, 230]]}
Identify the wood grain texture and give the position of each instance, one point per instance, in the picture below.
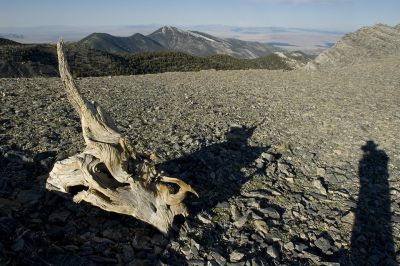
{"points": [[109, 173]]}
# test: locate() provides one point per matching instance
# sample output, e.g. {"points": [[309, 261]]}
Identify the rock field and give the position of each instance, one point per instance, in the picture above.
{"points": [[292, 167]]}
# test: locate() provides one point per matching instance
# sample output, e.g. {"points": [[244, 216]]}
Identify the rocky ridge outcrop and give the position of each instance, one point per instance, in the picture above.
{"points": [[366, 44]]}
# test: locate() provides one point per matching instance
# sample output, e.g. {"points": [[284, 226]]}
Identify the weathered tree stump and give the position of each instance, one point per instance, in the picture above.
{"points": [[109, 173]]}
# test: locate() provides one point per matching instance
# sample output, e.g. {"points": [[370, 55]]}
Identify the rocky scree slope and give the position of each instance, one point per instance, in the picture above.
{"points": [[366, 44], [274, 155]]}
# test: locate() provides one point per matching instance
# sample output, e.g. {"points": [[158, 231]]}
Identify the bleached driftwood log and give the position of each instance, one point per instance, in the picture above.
{"points": [[109, 173]]}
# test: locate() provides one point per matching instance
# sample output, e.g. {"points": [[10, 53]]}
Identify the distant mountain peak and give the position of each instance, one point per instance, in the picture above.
{"points": [[165, 28], [137, 35], [170, 38], [113, 44]]}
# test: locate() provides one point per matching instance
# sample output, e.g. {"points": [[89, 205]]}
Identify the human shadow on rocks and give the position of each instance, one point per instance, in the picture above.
{"points": [[215, 171], [371, 240]]}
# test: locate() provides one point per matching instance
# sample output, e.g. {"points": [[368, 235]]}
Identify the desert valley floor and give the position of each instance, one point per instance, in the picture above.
{"points": [[292, 167]]}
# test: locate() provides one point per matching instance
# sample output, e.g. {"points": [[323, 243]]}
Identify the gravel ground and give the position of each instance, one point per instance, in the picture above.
{"points": [[286, 163]]}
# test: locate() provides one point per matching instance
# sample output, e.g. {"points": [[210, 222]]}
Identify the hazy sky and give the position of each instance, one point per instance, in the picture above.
{"points": [[319, 14]]}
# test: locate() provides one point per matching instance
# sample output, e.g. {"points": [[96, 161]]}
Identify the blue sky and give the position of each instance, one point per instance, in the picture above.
{"points": [[318, 14]]}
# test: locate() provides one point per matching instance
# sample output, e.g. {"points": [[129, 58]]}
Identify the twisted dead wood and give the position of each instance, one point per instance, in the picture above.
{"points": [[109, 173]]}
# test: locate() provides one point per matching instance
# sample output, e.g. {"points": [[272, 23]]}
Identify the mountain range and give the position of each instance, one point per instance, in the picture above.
{"points": [[170, 38], [171, 49], [309, 40], [31, 60]]}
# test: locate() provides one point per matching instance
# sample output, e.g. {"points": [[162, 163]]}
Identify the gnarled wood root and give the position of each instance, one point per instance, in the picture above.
{"points": [[109, 173]]}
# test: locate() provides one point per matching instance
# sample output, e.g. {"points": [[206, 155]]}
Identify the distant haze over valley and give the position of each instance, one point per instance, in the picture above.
{"points": [[309, 40]]}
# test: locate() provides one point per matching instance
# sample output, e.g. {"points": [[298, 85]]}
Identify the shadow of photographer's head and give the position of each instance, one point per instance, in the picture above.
{"points": [[370, 146], [238, 134]]}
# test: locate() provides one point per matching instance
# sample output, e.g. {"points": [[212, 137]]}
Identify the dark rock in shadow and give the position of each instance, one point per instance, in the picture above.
{"points": [[37, 227], [215, 171], [41, 228]]}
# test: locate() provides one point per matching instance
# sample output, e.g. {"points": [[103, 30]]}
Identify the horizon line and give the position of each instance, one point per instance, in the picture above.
{"points": [[331, 30]]}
